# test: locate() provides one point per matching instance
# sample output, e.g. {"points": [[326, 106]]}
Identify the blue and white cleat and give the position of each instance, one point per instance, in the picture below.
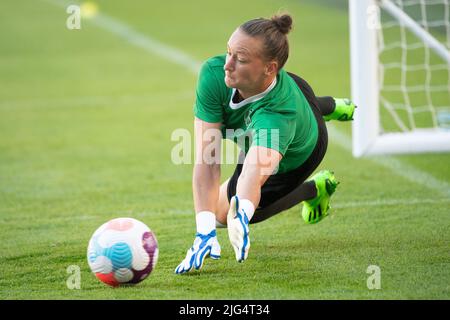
{"points": [[204, 245], [238, 231]]}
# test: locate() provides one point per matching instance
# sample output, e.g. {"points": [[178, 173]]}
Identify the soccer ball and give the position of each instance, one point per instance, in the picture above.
{"points": [[122, 251]]}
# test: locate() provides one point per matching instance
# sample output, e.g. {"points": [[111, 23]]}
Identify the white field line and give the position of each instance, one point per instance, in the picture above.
{"points": [[149, 44], [138, 39], [177, 56], [394, 165]]}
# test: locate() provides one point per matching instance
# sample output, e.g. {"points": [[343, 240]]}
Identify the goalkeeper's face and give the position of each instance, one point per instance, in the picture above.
{"points": [[245, 67]]}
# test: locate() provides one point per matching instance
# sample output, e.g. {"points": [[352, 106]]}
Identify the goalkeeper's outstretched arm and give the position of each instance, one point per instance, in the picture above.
{"points": [[205, 185], [206, 175]]}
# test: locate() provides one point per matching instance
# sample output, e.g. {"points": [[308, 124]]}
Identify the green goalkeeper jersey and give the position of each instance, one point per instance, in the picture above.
{"points": [[279, 118]]}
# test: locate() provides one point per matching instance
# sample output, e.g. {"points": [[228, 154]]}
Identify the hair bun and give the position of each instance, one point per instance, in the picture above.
{"points": [[283, 23]]}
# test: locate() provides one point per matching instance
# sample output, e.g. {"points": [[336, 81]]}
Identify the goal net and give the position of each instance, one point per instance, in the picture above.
{"points": [[400, 74]]}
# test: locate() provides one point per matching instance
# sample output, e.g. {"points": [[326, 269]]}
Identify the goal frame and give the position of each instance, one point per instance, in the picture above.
{"points": [[367, 138]]}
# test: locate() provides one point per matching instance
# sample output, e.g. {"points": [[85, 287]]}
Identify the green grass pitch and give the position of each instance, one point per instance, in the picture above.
{"points": [[86, 119]]}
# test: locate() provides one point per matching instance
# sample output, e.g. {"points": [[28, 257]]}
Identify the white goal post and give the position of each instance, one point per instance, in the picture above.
{"points": [[369, 77]]}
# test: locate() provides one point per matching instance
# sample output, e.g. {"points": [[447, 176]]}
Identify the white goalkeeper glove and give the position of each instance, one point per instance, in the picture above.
{"points": [[203, 246]]}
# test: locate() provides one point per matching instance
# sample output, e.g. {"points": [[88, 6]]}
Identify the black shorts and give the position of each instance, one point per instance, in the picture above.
{"points": [[278, 192]]}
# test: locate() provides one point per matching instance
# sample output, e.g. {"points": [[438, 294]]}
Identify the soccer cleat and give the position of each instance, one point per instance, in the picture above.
{"points": [[317, 208], [238, 231], [203, 246], [343, 110]]}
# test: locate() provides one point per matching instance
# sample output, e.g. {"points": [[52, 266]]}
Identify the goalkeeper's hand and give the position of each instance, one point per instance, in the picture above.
{"points": [[203, 246]]}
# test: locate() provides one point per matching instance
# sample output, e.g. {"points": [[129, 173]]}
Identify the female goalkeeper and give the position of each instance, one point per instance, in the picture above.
{"points": [[279, 124]]}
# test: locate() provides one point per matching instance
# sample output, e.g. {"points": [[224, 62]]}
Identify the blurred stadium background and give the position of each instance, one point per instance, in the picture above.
{"points": [[86, 118]]}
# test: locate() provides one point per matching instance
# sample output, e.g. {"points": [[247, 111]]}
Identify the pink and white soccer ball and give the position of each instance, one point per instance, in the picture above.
{"points": [[122, 251]]}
